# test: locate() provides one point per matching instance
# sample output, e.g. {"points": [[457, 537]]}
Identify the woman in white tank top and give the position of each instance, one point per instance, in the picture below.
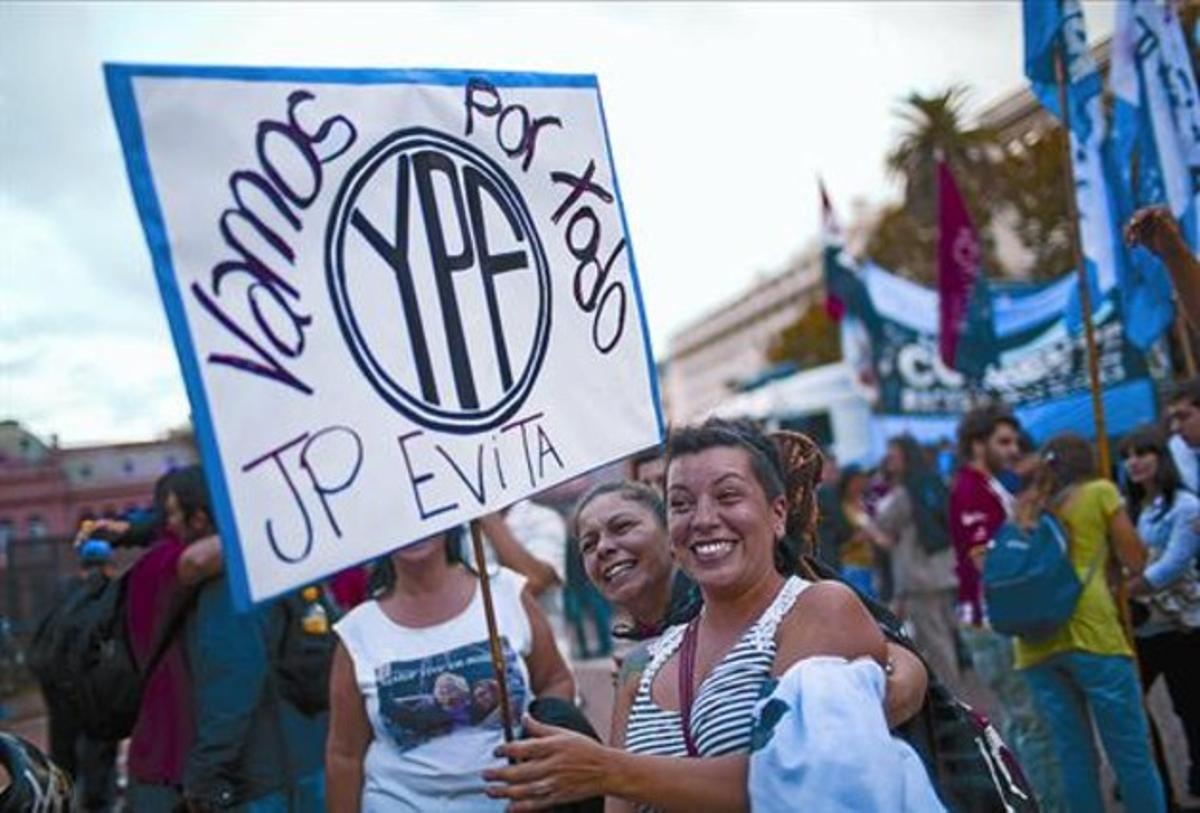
{"points": [[727, 509], [415, 712]]}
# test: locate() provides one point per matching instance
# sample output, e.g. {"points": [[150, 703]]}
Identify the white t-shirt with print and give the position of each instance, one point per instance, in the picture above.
{"points": [[431, 697]]}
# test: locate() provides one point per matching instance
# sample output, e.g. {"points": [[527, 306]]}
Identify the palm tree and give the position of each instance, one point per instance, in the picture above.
{"points": [[905, 236], [933, 129]]}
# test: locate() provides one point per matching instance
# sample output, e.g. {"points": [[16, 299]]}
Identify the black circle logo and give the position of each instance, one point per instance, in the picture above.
{"points": [[453, 348]]}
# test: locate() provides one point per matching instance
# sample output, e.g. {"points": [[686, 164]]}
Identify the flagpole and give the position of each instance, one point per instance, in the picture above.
{"points": [[1184, 334], [1085, 290], [489, 613], [1085, 304]]}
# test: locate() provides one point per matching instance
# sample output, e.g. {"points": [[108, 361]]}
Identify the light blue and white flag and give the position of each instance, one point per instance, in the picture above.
{"points": [[1156, 128], [1050, 24], [1157, 104]]}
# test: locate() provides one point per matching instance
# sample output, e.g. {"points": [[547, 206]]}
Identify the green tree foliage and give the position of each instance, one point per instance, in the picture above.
{"points": [[1019, 185], [1033, 188], [905, 238], [810, 341]]}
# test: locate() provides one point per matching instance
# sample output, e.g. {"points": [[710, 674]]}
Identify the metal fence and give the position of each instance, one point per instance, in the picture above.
{"points": [[30, 575], [30, 579]]}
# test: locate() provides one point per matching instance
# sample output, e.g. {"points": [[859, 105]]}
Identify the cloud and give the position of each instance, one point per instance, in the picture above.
{"points": [[75, 352]]}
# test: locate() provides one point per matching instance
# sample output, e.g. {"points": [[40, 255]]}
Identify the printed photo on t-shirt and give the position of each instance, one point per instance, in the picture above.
{"points": [[421, 700]]}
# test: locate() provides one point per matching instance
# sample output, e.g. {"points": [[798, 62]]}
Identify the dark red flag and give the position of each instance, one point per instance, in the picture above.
{"points": [[957, 265]]}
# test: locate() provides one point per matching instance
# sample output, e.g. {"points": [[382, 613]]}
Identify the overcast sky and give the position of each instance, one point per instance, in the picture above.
{"points": [[721, 117]]}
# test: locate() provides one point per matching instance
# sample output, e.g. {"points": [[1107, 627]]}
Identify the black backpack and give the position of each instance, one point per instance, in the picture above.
{"points": [[305, 655], [88, 662], [46, 647], [931, 512], [969, 764]]}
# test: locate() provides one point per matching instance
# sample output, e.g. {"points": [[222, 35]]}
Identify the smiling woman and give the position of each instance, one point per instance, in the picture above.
{"points": [[622, 531], [694, 691]]}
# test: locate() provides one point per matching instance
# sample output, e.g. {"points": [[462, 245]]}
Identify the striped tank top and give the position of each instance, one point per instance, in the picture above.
{"points": [[723, 708]]}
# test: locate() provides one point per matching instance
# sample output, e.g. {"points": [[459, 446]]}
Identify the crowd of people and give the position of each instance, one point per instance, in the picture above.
{"points": [[774, 613]]}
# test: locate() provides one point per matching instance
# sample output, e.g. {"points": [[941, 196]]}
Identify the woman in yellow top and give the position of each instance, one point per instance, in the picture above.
{"points": [[1084, 671]]}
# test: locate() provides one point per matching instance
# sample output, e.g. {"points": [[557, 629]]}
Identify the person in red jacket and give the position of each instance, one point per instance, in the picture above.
{"points": [[162, 584]]}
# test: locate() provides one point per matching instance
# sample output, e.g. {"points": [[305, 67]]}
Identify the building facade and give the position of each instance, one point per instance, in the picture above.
{"points": [[46, 490], [729, 343]]}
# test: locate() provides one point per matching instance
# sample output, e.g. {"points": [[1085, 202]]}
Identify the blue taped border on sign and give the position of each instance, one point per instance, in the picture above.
{"points": [[120, 82]]}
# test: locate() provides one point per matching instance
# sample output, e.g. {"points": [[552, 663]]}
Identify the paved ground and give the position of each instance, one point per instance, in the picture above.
{"points": [[595, 685], [25, 717]]}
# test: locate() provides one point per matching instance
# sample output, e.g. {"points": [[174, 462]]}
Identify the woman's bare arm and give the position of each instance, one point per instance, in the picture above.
{"points": [[906, 685], [828, 619], [1126, 542], [539, 576], [559, 766], [200, 561], [349, 736], [548, 672], [1155, 228]]}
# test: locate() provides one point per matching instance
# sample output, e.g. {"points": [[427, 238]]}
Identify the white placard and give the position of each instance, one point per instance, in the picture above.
{"points": [[401, 299]]}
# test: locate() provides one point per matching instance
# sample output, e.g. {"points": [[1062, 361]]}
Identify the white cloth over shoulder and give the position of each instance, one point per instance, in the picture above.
{"points": [[821, 742]]}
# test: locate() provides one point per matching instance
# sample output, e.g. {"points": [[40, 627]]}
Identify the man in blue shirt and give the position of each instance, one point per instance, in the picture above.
{"points": [[254, 750]]}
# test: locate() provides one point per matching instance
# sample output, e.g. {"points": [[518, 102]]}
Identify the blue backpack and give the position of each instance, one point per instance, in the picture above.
{"points": [[1029, 583]]}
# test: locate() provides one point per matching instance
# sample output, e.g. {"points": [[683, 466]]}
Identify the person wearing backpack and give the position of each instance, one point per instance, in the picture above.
{"points": [[913, 517], [88, 760], [1083, 674], [161, 588], [254, 750], [988, 445]]}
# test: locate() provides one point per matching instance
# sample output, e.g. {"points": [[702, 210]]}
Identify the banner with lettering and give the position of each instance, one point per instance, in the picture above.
{"points": [[400, 299], [1038, 367]]}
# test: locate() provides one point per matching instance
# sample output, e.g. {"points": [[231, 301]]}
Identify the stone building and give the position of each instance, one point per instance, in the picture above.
{"points": [[46, 489]]}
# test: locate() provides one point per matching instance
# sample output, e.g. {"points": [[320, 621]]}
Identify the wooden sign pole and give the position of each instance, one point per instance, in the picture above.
{"points": [[489, 612], [1085, 289]]}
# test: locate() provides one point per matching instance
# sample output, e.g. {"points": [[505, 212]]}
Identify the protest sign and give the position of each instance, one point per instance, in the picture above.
{"points": [[400, 299]]}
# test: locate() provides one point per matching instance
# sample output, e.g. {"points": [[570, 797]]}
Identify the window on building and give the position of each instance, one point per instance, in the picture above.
{"points": [[37, 526], [85, 470], [128, 466]]}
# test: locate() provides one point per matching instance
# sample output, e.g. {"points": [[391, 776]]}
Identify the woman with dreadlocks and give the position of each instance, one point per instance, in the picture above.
{"points": [[621, 528], [730, 506]]}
